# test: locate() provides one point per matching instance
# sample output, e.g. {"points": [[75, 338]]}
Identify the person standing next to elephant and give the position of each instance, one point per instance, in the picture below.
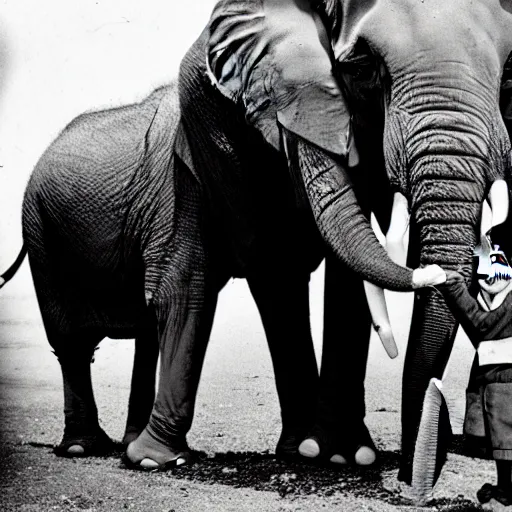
{"points": [[487, 320]]}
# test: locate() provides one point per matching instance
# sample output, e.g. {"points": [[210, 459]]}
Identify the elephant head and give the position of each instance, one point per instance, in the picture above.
{"points": [[272, 59], [436, 68]]}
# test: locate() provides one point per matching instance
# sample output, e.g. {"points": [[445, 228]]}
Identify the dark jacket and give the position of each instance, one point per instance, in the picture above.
{"points": [[480, 325]]}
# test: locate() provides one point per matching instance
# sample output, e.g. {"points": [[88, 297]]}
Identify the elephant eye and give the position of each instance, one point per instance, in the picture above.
{"points": [[360, 71]]}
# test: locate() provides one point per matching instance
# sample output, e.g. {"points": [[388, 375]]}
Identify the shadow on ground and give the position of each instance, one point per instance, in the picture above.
{"points": [[261, 471]]}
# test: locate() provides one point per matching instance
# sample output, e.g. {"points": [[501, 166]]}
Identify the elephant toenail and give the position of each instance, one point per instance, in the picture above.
{"points": [[148, 463], [309, 448], [338, 459], [365, 456], [75, 450]]}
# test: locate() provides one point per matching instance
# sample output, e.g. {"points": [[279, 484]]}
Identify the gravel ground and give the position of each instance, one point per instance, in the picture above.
{"points": [[234, 432]]}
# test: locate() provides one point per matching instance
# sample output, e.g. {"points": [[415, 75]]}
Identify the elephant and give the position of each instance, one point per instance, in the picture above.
{"points": [[274, 96], [134, 219]]}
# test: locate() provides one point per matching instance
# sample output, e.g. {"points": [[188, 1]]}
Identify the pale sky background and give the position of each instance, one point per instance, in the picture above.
{"points": [[59, 58]]}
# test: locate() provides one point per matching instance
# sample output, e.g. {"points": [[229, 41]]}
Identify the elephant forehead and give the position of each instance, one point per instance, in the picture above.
{"points": [[475, 33], [273, 58]]}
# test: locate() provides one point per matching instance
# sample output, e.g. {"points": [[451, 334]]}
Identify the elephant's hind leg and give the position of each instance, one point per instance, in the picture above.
{"points": [[83, 435], [142, 392], [74, 349]]}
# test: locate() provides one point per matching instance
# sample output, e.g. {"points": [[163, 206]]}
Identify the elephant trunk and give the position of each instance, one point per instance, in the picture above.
{"points": [[446, 192], [341, 221]]}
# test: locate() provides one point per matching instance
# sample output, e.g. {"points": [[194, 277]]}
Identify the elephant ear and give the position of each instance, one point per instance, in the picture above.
{"points": [[344, 20], [274, 59]]}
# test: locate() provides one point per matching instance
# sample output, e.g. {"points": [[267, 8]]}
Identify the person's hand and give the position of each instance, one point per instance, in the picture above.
{"points": [[428, 276]]}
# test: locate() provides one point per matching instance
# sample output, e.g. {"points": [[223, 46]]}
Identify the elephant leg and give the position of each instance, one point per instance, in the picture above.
{"points": [[142, 392], [340, 433], [183, 296], [283, 303], [72, 323], [183, 343], [82, 433], [74, 349]]}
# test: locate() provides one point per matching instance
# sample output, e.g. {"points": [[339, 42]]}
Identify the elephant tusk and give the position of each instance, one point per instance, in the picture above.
{"points": [[374, 294], [396, 240], [380, 317], [485, 219], [498, 199]]}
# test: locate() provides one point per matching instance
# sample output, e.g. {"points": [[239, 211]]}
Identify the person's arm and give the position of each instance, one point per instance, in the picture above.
{"points": [[475, 321]]}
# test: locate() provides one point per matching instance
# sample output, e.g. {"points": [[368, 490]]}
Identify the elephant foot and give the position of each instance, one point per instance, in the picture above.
{"points": [[147, 454], [322, 447], [287, 448], [96, 443], [310, 449]]}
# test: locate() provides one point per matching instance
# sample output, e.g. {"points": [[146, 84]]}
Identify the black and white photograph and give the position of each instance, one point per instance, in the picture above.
{"points": [[255, 255]]}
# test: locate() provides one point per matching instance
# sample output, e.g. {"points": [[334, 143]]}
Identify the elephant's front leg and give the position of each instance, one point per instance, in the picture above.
{"points": [[340, 434], [283, 303], [181, 291], [183, 340], [142, 392]]}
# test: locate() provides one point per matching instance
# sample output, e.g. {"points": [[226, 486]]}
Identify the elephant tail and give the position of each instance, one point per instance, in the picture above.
{"points": [[9, 273]]}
